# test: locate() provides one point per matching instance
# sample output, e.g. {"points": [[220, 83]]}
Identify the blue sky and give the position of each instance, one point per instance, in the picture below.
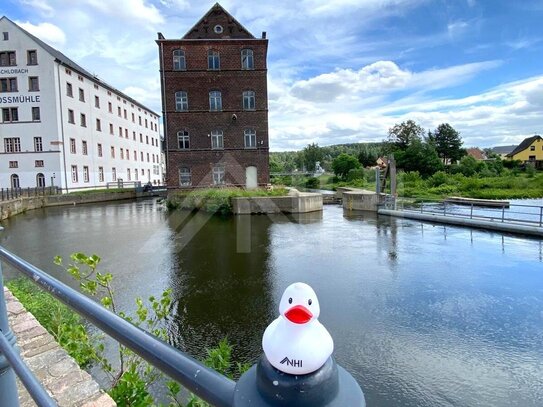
{"points": [[339, 71]]}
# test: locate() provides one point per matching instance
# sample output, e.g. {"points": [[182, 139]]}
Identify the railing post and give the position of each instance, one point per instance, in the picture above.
{"points": [[444, 208], [503, 213], [471, 212], [8, 385], [541, 216]]}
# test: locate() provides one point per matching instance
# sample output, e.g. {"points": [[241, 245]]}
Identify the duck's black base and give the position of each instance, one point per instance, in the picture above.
{"points": [[263, 385]]}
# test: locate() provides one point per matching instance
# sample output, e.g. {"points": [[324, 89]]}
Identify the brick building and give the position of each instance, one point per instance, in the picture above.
{"points": [[215, 104]]}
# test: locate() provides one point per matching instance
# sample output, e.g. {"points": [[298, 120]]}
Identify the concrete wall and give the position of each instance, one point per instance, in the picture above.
{"points": [[362, 200], [299, 203]]}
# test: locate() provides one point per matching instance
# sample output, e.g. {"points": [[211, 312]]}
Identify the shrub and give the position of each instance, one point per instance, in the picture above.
{"points": [[439, 178], [312, 183], [356, 173]]}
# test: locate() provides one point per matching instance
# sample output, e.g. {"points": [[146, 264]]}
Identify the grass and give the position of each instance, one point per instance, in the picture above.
{"points": [[216, 200], [101, 191]]}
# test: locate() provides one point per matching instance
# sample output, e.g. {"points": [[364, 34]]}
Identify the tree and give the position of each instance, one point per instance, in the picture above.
{"points": [[367, 157], [448, 143], [311, 154], [419, 156], [343, 163], [275, 164], [402, 135]]}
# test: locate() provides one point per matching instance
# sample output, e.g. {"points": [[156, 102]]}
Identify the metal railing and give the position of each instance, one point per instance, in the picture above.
{"points": [[7, 194], [329, 386], [513, 213]]}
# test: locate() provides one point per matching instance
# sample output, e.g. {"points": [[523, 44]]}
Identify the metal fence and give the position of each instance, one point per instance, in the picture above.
{"points": [[7, 194], [512, 213]]}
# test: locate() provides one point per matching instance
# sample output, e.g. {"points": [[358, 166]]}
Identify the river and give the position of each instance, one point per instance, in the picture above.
{"points": [[421, 315]]}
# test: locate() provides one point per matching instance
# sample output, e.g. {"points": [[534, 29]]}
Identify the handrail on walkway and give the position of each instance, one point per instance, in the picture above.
{"points": [[261, 386]]}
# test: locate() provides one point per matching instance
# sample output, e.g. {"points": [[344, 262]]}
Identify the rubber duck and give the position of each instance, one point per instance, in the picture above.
{"points": [[296, 342]]}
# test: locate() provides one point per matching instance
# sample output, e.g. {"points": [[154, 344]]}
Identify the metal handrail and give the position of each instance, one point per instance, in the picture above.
{"points": [[197, 378]]}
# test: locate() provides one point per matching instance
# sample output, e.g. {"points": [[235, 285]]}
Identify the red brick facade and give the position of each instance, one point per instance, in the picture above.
{"points": [[194, 117]]}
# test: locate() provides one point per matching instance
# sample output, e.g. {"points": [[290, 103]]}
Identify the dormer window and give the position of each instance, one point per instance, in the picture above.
{"points": [[213, 60]]}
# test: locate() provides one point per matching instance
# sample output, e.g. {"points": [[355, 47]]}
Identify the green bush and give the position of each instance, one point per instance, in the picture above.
{"points": [[439, 178], [356, 173], [312, 183]]}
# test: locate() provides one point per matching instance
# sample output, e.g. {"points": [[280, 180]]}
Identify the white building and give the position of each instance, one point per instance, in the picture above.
{"points": [[62, 126]]}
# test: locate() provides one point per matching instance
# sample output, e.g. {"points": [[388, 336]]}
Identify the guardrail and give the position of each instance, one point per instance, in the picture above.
{"points": [[329, 386], [7, 194], [515, 213]]}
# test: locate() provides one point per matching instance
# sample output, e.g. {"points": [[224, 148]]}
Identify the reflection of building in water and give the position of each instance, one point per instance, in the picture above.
{"points": [[221, 292]]}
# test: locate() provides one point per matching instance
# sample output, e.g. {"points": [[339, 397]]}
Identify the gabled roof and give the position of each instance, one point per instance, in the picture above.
{"points": [[476, 153], [217, 14], [503, 149], [64, 60], [527, 142]]}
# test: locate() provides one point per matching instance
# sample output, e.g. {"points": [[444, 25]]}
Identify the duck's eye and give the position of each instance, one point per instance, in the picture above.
{"points": [[309, 302], [290, 300]]}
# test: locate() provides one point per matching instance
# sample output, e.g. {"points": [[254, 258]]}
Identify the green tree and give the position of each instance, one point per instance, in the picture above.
{"points": [[403, 135], [419, 156], [275, 164], [367, 157], [311, 154], [448, 143], [343, 163]]}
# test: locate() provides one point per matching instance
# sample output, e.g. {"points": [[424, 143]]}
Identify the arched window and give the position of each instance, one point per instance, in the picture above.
{"points": [[15, 181], [248, 100], [249, 136], [185, 177], [213, 60], [183, 140], [181, 101], [179, 62], [247, 61], [40, 180], [215, 101], [217, 140]]}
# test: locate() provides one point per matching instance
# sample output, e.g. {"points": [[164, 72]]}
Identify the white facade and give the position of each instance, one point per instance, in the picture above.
{"points": [[61, 126]]}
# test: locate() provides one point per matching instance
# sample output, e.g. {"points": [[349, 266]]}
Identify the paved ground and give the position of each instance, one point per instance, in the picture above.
{"points": [[55, 369]]}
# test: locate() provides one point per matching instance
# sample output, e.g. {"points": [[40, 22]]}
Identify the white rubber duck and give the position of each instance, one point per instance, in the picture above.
{"points": [[296, 342]]}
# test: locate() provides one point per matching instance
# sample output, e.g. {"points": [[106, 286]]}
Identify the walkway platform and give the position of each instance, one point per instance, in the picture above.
{"points": [[54, 368]]}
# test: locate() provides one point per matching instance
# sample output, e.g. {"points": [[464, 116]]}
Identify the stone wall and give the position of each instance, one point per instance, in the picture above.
{"points": [[299, 202], [58, 372]]}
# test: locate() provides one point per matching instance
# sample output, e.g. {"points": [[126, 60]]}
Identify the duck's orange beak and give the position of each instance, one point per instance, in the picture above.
{"points": [[298, 314]]}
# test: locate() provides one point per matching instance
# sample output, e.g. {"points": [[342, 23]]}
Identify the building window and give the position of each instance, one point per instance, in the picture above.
{"points": [[38, 145], [31, 57], [101, 174], [10, 114], [5, 36], [72, 146], [217, 142], [40, 180], [133, 118], [148, 157], [179, 62], [68, 72], [36, 114], [111, 128], [248, 100], [74, 173], [125, 133], [38, 163], [14, 164], [97, 102], [84, 147], [135, 155], [99, 150], [247, 61], [181, 102], [83, 120], [146, 139], [215, 101], [141, 138], [7, 58], [128, 174], [112, 152], [136, 174], [213, 60], [145, 123], [141, 155], [33, 84], [218, 175], [122, 154], [8, 85], [98, 125], [81, 95], [125, 114], [250, 138], [69, 90], [71, 117], [80, 78], [183, 140], [109, 107], [12, 145], [114, 174], [15, 181], [85, 174], [532, 148], [119, 111], [184, 177]]}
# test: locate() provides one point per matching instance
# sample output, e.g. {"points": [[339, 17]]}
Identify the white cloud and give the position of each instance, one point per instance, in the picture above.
{"points": [[136, 10], [42, 6], [47, 32]]}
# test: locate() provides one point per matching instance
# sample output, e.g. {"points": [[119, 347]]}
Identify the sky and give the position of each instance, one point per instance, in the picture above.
{"points": [[339, 71]]}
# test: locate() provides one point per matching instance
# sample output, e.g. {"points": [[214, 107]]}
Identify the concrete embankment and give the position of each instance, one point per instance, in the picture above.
{"points": [[23, 204], [355, 199], [295, 202], [58, 373], [517, 228]]}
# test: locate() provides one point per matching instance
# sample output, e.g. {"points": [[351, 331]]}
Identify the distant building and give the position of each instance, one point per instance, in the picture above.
{"points": [[530, 150], [63, 126], [502, 151], [215, 104], [476, 153]]}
